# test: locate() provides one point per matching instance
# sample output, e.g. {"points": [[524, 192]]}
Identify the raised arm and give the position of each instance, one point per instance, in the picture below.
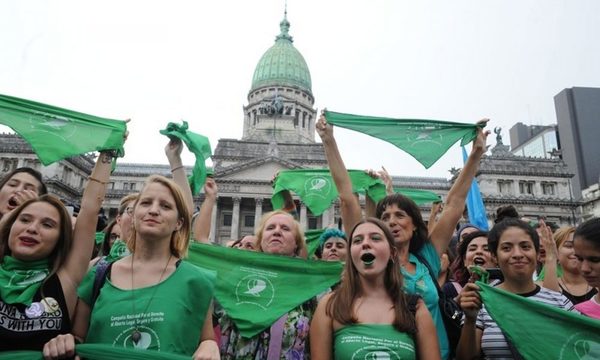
{"points": [[551, 262], [76, 263], [455, 202], [173, 151], [201, 227], [349, 205]]}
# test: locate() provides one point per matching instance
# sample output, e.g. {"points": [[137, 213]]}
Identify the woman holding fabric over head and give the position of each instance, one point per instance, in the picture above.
{"points": [[43, 259], [149, 299], [278, 233], [368, 315], [418, 252], [515, 246]]}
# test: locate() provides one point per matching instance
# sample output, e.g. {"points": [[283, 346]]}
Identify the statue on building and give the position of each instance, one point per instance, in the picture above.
{"points": [[498, 132]]}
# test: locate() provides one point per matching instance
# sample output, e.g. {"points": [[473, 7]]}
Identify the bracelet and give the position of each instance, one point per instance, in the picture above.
{"points": [[91, 178], [176, 168]]}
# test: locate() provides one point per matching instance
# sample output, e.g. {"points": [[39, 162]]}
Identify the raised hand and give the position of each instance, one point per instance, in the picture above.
{"points": [[324, 129], [470, 300]]}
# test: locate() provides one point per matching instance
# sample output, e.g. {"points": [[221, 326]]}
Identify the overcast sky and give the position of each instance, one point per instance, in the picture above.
{"points": [[161, 61]]}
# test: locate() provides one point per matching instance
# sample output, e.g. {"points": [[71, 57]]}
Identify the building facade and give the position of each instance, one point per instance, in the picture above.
{"points": [[278, 134], [534, 140]]}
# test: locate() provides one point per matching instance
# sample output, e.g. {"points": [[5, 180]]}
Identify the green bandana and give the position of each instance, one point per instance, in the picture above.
{"points": [[256, 289], [99, 352], [312, 240], [539, 331], [99, 237], [117, 250], [418, 196], [55, 133], [317, 190], [198, 145], [425, 140], [20, 280]]}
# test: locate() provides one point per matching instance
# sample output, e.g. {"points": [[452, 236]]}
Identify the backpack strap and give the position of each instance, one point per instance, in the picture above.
{"points": [[102, 269]]}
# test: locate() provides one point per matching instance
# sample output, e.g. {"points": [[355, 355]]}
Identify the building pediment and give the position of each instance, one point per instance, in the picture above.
{"points": [[262, 169]]}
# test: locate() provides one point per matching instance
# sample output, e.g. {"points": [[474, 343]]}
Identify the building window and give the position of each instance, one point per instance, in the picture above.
{"points": [[505, 186], [526, 187], [125, 186], [249, 221], [312, 223], [132, 186], [548, 188], [227, 219]]}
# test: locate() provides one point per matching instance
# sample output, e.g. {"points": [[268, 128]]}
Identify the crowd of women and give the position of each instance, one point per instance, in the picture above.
{"points": [[138, 293]]}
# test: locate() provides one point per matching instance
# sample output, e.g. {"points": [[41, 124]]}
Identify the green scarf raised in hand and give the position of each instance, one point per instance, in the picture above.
{"points": [[425, 140], [55, 133], [316, 188], [198, 145], [20, 280]]}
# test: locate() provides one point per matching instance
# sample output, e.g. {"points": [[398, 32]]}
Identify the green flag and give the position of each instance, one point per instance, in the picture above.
{"points": [[312, 240], [256, 289], [316, 188], [540, 331], [418, 196], [425, 140], [99, 352], [55, 133], [198, 145]]}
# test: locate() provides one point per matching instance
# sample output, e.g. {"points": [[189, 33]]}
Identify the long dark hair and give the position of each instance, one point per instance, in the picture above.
{"points": [[341, 303], [458, 269], [589, 231], [420, 235]]}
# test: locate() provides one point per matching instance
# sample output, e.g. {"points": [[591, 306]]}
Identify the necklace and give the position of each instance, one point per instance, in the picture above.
{"points": [[135, 334], [562, 282]]}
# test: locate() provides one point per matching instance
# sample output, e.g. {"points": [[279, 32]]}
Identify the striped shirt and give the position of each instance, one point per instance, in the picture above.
{"points": [[493, 342]]}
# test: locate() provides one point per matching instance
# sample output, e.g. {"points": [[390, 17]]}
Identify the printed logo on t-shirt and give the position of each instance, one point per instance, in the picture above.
{"points": [[582, 346], [374, 353], [148, 339], [13, 320], [255, 288]]}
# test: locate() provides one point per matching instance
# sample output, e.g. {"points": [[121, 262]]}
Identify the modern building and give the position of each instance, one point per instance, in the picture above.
{"points": [[578, 116], [534, 140]]}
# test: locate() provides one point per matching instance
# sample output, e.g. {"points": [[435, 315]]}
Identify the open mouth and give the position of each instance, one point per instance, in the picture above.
{"points": [[12, 202], [479, 261], [367, 258]]}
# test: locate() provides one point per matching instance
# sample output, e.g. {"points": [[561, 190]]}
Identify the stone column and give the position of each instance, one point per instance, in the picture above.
{"points": [[303, 217], [257, 212], [213, 223], [235, 218], [328, 217]]}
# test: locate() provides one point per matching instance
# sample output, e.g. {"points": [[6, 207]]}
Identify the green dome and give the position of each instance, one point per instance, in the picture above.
{"points": [[282, 64]]}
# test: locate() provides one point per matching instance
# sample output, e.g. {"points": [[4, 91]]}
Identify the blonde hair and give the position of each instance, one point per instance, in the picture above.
{"points": [[562, 234], [298, 233], [179, 238]]}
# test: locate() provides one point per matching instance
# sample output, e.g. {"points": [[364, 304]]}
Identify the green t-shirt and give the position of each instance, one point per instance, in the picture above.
{"points": [[172, 321], [373, 341]]}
